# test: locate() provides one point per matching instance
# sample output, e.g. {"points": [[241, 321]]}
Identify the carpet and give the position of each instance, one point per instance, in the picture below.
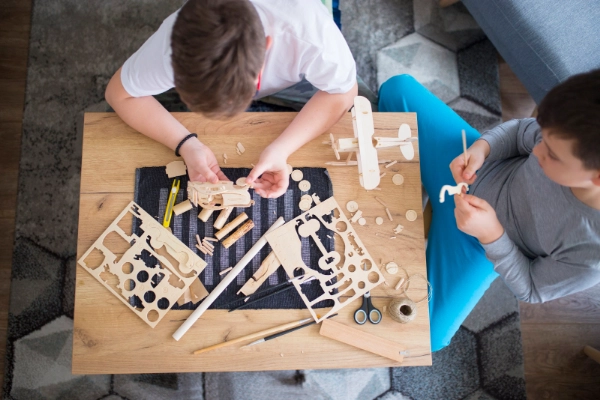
{"points": [[75, 47]]}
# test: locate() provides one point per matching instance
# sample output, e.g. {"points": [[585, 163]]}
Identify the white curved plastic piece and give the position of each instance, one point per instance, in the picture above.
{"points": [[452, 190], [407, 148]]}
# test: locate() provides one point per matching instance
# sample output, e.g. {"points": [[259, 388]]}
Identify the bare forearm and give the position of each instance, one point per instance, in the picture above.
{"points": [[144, 114], [321, 112]]}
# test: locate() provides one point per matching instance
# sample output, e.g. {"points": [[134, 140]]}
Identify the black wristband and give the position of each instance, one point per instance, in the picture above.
{"points": [[191, 135]]}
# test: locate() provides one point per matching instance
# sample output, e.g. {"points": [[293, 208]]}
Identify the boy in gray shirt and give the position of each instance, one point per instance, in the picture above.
{"points": [[533, 212]]}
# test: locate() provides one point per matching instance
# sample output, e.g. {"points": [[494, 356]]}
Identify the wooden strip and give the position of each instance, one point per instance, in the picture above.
{"points": [[222, 218], [182, 207], [231, 226], [362, 340], [235, 236], [389, 214]]}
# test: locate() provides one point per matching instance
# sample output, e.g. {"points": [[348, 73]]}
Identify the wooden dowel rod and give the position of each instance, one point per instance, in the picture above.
{"points": [[205, 214], [225, 282], [222, 218], [235, 236], [182, 207], [231, 226]]}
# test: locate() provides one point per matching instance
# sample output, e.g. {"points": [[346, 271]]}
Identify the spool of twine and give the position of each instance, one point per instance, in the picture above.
{"points": [[402, 310]]}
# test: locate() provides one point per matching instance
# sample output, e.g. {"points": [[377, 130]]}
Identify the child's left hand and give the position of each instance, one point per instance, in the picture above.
{"points": [[270, 176], [476, 217]]}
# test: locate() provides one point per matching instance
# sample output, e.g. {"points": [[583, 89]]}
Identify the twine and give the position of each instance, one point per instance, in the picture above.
{"points": [[402, 310]]}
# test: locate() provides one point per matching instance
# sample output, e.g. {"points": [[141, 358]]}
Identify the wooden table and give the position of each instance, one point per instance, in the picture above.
{"points": [[109, 338]]}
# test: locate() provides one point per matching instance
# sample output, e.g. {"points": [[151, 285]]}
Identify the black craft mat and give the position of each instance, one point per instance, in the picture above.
{"points": [[151, 191]]}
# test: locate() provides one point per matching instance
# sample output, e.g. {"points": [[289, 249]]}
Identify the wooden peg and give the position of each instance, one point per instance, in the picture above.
{"points": [[205, 214], [235, 236]]}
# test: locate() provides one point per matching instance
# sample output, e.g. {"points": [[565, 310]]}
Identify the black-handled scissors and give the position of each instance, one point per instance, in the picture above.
{"points": [[367, 312]]}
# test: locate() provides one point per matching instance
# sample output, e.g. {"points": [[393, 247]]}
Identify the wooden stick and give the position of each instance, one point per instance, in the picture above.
{"points": [[254, 335], [381, 202], [389, 214], [392, 163], [205, 214], [363, 340], [211, 239], [225, 271], [202, 249], [198, 240], [225, 282], [208, 244], [231, 226], [235, 236], [222, 218]]}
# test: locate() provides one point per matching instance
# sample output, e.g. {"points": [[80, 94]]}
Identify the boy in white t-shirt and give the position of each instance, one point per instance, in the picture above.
{"points": [[221, 54]]}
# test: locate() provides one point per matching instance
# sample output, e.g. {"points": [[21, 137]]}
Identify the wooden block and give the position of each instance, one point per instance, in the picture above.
{"points": [[231, 226], [247, 227], [176, 168], [205, 214], [182, 207], [222, 218], [362, 340]]}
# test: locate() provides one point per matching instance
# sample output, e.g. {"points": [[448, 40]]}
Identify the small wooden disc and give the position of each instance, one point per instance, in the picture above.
{"points": [[362, 221], [411, 215], [352, 206], [307, 197], [391, 268], [290, 169], [305, 205], [297, 175], [379, 220], [398, 179], [241, 181], [304, 185]]}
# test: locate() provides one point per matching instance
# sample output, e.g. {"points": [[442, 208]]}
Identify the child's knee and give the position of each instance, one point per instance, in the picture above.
{"points": [[399, 83], [393, 91]]}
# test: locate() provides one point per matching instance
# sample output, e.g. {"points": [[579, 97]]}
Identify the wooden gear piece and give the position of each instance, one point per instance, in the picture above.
{"points": [[217, 196], [357, 273], [165, 282]]}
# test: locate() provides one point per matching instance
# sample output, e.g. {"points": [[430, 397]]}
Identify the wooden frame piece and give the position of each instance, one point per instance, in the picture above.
{"points": [[267, 267], [362, 340], [356, 275], [217, 196], [364, 129], [175, 169], [126, 272]]}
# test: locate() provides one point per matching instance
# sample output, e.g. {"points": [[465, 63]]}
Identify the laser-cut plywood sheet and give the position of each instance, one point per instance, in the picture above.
{"points": [[355, 269], [120, 262]]}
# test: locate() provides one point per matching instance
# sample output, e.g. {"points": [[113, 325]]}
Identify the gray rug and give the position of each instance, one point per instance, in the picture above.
{"points": [[75, 48]]}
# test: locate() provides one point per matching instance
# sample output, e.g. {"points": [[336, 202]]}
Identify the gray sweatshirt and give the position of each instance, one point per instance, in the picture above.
{"points": [[551, 242]]}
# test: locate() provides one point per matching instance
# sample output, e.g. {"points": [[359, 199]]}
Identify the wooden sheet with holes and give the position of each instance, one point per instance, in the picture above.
{"points": [[354, 270], [148, 290]]}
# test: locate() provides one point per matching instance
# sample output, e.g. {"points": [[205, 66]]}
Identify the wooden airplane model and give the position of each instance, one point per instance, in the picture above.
{"points": [[217, 196], [365, 145]]}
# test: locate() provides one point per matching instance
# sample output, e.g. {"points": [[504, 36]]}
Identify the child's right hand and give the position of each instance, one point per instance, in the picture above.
{"points": [[202, 165], [466, 172]]}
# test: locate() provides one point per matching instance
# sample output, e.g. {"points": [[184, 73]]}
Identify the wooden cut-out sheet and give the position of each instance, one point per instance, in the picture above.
{"points": [[355, 269], [120, 262]]}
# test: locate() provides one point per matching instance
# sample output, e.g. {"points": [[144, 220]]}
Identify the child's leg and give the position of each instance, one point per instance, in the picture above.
{"points": [[456, 265]]}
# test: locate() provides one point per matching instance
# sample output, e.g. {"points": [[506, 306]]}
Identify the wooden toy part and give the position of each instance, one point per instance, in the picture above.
{"points": [[297, 175], [398, 179], [411, 215], [406, 148], [175, 169], [350, 163], [362, 221], [157, 287], [362, 122], [231, 226], [362, 340], [235, 236], [398, 229], [452, 190], [205, 214], [352, 206], [304, 186], [217, 196], [222, 218], [316, 198], [182, 207], [267, 267], [352, 281], [241, 182], [226, 270], [379, 220], [391, 268], [240, 148], [305, 205]]}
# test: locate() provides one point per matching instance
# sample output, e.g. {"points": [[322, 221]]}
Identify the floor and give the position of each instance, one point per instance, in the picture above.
{"points": [[554, 333]]}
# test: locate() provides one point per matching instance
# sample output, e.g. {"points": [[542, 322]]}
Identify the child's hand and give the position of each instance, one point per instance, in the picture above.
{"points": [[476, 217], [202, 165], [476, 154], [270, 177]]}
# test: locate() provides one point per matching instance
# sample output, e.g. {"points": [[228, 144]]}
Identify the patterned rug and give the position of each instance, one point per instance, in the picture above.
{"points": [[75, 48]]}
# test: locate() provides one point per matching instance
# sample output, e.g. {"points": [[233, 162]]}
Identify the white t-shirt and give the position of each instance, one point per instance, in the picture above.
{"points": [[306, 44]]}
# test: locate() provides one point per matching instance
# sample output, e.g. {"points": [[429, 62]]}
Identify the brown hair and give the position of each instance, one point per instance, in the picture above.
{"points": [[572, 111], [218, 50]]}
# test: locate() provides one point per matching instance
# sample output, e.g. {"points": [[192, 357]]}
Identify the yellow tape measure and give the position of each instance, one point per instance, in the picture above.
{"points": [[171, 203]]}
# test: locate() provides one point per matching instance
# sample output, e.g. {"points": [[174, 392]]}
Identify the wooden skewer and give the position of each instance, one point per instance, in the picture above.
{"points": [[381, 202], [392, 163], [254, 335], [225, 271]]}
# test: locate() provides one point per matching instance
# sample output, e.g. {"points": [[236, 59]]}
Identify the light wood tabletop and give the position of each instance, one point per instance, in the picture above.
{"points": [[110, 338]]}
